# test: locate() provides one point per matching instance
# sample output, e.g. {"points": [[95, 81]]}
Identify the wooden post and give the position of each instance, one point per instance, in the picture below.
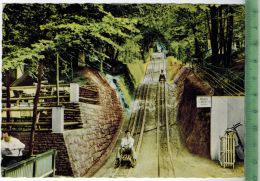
{"points": [[35, 107], [57, 80], [101, 66], [8, 104], [54, 162]]}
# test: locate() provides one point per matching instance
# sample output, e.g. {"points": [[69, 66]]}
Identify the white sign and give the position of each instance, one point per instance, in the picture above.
{"points": [[203, 101]]}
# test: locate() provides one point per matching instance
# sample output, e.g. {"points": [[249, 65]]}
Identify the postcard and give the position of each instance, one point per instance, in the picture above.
{"points": [[123, 90]]}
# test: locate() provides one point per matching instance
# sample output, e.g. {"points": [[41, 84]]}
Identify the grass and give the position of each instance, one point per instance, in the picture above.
{"points": [[137, 70], [174, 66], [125, 90]]}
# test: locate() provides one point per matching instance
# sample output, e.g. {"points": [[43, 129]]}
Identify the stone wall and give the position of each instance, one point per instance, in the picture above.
{"points": [[81, 151], [45, 141], [88, 147]]}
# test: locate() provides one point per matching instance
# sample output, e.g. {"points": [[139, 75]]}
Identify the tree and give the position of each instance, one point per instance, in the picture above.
{"points": [[214, 34], [230, 27]]}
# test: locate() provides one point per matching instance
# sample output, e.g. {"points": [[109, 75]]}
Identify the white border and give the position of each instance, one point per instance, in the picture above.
{"points": [[130, 1]]}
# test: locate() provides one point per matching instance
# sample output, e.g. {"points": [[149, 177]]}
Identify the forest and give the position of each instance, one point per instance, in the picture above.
{"points": [[39, 35], [45, 38], [39, 32]]}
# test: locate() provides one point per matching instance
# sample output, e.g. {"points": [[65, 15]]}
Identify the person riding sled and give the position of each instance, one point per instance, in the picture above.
{"points": [[126, 147]]}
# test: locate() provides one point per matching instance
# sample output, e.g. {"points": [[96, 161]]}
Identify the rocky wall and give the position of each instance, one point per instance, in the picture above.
{"points": [[194, 122], [88, 147], [81, 151]]}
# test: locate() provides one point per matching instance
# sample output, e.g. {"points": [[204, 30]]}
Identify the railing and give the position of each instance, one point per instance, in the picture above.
{"points": [[24, 95], [41, 165], [21, 122], [21, 111]]}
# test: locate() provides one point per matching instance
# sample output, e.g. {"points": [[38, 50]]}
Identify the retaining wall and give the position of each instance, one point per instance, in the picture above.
{"points": [[81, 151]]}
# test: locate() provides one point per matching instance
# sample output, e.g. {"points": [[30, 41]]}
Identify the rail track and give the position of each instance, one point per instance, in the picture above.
{"points": [[164, 152], [138, 118]]}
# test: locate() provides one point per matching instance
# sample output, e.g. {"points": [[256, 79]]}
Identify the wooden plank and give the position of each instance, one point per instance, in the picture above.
{"points": [[88, 99], [25, 109], [24, 123], [89, 89], [30, 98], [34, 87], [73, 110], [72, 123]]}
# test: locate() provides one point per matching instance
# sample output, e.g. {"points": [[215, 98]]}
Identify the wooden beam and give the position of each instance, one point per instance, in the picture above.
{"points": [[88, 99], [34, 87], [26, 109], [31, 98], [89, 89]]}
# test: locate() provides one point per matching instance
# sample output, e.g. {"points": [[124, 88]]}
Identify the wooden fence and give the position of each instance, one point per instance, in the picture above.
{"points": [[21, 110]]}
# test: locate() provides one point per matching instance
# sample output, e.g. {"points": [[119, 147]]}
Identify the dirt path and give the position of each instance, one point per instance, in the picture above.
{"points": [[175, 162]]}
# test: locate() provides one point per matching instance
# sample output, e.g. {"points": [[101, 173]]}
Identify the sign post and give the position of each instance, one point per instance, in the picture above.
{"points": [[203, 101]]}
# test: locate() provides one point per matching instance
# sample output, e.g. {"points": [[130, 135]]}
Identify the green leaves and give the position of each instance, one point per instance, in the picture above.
{"points": [[108, 32], [32, 55]]}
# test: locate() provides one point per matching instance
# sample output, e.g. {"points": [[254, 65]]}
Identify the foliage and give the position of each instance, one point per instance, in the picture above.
{"points": [[109, 32], [137, 70]]}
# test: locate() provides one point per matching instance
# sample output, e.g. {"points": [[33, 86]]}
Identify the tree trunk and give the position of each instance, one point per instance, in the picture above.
{"points": [[225, 38], [75, 62], [207, 29], [214, 34], [35, 103], [196, 41], [230, 36], [196, 44], [57, 79], [116, 54], [8, 104], [221, 35]]}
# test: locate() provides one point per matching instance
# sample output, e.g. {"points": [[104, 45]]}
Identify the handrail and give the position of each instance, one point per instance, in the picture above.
{"points": [[17, 165], [32, 86], [31, 98], [30, 166], [25, 109], [38, 109], [45, 153], [73, 110], [25, 123]]}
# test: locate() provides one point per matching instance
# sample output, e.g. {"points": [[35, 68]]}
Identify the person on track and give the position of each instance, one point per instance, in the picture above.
{"points": [[162, 76], [127, 146]]}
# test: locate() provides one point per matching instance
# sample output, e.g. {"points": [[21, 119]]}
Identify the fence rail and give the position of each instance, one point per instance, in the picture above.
{"points": [[34, 87], [21, 110], [41, 165]]}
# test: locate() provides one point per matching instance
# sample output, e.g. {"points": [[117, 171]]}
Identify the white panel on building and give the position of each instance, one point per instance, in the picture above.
{"points": [[74, 92], [218, 124], [225, 112], [58, 119]]}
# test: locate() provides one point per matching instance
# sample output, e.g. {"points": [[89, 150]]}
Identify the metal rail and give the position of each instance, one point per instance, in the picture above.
{"points": [[138, 117], [137, 122], [163, 133], [41, 165]]}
